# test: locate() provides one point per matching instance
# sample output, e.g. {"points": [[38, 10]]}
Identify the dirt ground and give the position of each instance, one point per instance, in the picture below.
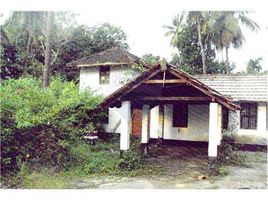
{"points": [[182, 167]]}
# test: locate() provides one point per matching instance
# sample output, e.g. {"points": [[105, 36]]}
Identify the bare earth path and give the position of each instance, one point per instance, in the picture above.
{"points": [[182, 170]]}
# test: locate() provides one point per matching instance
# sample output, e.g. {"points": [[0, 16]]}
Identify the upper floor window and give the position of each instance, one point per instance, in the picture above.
{"points": [[248, 115], [104, 75]]}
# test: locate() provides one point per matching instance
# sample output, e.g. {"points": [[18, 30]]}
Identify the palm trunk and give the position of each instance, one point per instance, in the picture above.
{"points": [[28, 46], [46, 71], [201, 48], [227, 68]]}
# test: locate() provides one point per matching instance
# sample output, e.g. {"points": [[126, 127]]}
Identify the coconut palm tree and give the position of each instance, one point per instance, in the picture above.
{"points": [[202, 21], [227, 31], [28, 24], [46, 71], [195, 18], [175, 29]]}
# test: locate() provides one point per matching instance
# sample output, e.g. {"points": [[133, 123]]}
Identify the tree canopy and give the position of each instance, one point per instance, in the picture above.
{"points": [[207, 32], [23, 43]]}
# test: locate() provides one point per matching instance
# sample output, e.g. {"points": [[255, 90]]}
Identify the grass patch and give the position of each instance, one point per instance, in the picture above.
{"points": [[88, 161]]}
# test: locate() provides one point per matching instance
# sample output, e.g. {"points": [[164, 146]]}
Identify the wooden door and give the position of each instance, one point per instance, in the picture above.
{"points": [[136, 122]]}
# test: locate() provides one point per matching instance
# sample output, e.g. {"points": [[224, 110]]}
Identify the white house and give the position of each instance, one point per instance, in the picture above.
{"points": [[166, 103], [250, 92]]}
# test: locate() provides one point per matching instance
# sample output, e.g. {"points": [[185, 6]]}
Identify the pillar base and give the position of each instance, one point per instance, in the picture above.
{"points": [[160, 142], [144, 149], [212, 166], [121, 153]]}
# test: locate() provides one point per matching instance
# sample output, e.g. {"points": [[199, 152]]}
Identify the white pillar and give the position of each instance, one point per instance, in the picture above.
{"points": [[214, 129], [161, 118], [261, 118], [168, 121], [145, 124], [154, 122], [125, 125]]}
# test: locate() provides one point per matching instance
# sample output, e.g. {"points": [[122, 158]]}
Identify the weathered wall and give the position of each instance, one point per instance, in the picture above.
{"points": [[197, 129], [253, 136], [261, 123], [89, 78]]}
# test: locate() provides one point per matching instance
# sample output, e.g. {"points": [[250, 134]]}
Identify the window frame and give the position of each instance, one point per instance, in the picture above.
{"points": [[104, 71], [247, 107]]}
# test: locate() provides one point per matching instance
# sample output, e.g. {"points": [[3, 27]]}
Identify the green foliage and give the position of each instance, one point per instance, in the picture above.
{"points": [[132, 160], [254, 66], [228, 152], [189, 58], [22, 48], [38, 125], [150, 59], [222, 171], [104, 158]]}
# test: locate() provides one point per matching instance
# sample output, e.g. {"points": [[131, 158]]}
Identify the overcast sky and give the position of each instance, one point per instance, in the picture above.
{"points": [[143, 22]]}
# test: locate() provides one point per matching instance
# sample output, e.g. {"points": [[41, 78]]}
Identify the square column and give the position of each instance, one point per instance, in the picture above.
{"points": [[125, 116], [261, 119], [145, 133], [154, 122], [214, 133]]}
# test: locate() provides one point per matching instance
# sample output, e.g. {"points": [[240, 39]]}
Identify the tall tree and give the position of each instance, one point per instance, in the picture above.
{"points": [[200, 21], [46, 71], [25, 24], [227, 31], [189, 58], [175, 29]]}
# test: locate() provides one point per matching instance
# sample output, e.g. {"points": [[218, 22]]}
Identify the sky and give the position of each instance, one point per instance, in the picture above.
{"points": [[143, 23]]}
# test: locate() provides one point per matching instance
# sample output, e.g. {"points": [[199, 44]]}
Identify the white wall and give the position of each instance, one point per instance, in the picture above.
{"points": [[89, 78], [197, 130], [261, 123]]}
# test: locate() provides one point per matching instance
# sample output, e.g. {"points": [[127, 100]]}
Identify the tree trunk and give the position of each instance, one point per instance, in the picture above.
{"points": [[201, 47], [46, 71], [28, 46], [227, 68]]}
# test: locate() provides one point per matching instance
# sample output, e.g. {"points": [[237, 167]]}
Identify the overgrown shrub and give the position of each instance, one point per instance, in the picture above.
{"points": [[228, 151], [132, 160], [39, 125]]}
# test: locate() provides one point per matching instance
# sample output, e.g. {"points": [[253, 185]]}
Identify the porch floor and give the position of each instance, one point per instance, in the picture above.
{"points": [[182, 165]]}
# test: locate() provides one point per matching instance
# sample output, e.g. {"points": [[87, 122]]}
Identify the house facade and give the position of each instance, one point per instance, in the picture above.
{"points": [[166, 103], [250, 92]]}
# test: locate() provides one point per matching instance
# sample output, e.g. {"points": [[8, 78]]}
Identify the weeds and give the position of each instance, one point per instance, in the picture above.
{"points": [[222, 171]]}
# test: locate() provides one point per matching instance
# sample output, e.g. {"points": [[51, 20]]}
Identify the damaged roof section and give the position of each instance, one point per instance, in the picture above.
{"points": [[112, 57], [179, 78]]}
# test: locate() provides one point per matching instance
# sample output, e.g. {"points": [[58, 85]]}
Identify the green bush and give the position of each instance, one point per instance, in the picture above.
{"points": [[228, 152], [38, 126], [132, 160], [222, 171]]}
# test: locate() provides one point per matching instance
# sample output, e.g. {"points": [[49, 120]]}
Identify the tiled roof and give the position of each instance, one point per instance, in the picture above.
{"points": [[238, 87], [114, 56]]}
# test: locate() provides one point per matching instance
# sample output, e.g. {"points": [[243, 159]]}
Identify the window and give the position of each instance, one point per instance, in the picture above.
{"points": [[180, 115], [225, 118], [248, 115], [104, 75]]}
